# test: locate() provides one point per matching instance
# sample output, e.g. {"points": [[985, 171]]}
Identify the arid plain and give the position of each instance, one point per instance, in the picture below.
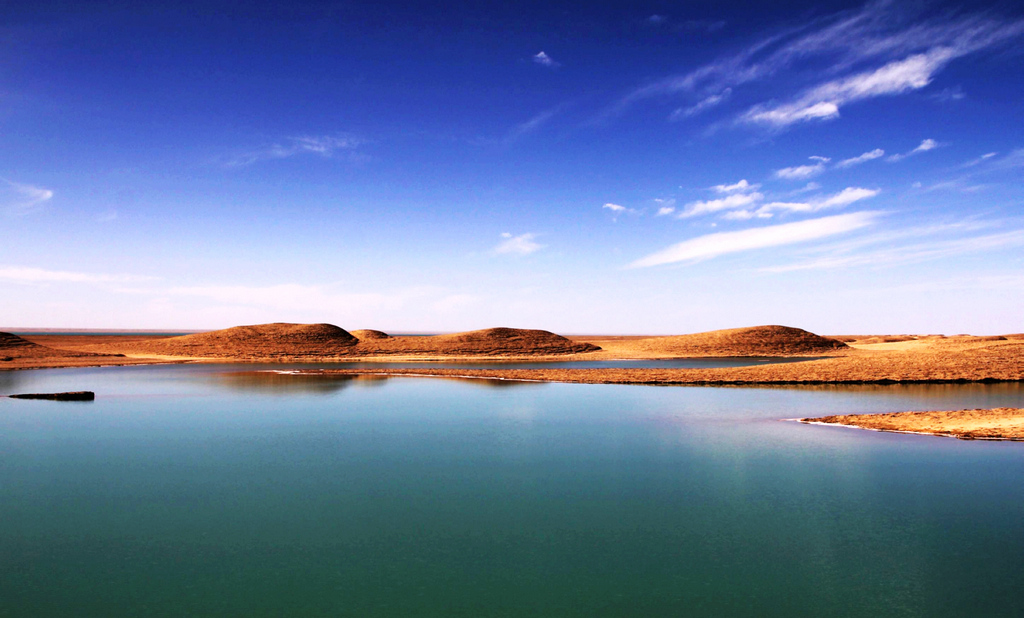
{"points": [[854, 359]]}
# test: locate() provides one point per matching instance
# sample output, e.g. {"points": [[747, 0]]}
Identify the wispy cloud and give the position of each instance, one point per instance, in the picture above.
{"points": [[545, 60], [845, 197], [742, 185], [324, 146], [722, 243], [665, 206], [618, 209], [730, 202], [32, 275], [802, 172], [824, 101], [532, 124], [882, 49], [524, 244], [892, 247], [18, 199], [705, 104], [925, 146], [864, 158]]}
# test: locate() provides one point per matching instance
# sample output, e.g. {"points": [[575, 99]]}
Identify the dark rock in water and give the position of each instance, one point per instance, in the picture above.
{"points": [[73, 396]]}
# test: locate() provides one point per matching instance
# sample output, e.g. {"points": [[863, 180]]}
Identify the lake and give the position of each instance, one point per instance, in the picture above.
{"points": [[187, 490]]}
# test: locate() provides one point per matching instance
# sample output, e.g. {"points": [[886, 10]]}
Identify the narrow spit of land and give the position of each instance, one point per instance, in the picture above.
{"points": [[994, 424]]}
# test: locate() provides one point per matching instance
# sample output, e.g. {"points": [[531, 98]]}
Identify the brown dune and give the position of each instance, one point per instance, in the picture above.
{"points": [[260, 341], [365, 334], [753, 341], [487, 342], [995, 424], [19, 353], [14, 347]]}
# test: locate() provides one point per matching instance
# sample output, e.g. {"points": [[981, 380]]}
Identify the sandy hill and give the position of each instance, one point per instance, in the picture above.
{"points": [[21, 352], [257, 341], [753, 341], [487, 342], [369, 334]]}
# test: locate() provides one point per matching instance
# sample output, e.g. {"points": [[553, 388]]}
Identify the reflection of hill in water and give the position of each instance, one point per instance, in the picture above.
{"points": [[272, 382], [269, 382]]}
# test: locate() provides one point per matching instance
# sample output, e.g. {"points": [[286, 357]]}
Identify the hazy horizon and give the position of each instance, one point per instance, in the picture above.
{"points": [[846, 168]]}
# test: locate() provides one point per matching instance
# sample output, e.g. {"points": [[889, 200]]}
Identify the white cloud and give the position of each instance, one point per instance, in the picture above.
{"points": [[665, 206], [745, 214], [925, 146], [903, 46], [325, 146], [822, 102], [532, 124], [811, 186], [614, 207], [842, 257], [801, 172], [701, 106], [848, 196], [28, 274], [867, 156], [20, 199], [722, 243], [736, 200], [543, 59], [742, 185], [845, 197], [789, 114], [518, 245]]}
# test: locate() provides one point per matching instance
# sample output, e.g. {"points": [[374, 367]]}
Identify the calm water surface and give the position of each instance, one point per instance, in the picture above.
{"points": [[189, 491]]}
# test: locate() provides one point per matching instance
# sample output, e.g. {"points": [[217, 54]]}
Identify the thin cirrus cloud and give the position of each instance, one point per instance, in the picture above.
{"points": [[21, 199], [730, 202], [701, 106], [864, 158], [723, 243], [887, 250], [742, 185], [324, 146], [524, 244], [925, 146], [802, 172], [745, 206], [33, 275], [882, 49]]}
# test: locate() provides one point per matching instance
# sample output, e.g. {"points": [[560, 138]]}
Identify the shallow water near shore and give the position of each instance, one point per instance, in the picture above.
{"points": [[200, 490]]}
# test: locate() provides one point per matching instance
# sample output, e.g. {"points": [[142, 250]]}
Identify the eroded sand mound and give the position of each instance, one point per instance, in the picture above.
{"points": [[487, 342], [15, 348], [753, 341], [256, 342], [367, 334]]}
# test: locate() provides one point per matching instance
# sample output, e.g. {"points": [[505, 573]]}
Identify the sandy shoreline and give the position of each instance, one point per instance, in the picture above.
{"points": [[974, 424]]}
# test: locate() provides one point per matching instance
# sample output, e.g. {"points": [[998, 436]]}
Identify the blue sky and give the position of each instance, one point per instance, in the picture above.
{"points": [[611, 168]]}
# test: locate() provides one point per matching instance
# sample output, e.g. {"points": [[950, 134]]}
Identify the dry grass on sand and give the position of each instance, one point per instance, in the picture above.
{"points": [[995, 424]]}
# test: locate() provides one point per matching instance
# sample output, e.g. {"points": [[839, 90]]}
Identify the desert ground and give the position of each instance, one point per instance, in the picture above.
{"points": [[852, 359]]}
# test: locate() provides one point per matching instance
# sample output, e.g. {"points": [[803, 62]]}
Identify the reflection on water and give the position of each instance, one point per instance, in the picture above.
{"points": [[285, 383]]}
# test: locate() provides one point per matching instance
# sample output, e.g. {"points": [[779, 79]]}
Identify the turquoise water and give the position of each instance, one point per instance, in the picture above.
{"points": [[186, 491]]}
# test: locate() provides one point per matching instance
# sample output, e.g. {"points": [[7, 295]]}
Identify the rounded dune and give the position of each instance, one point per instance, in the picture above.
{"points": [[771, 340], [256, 341], [486, 342]]}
